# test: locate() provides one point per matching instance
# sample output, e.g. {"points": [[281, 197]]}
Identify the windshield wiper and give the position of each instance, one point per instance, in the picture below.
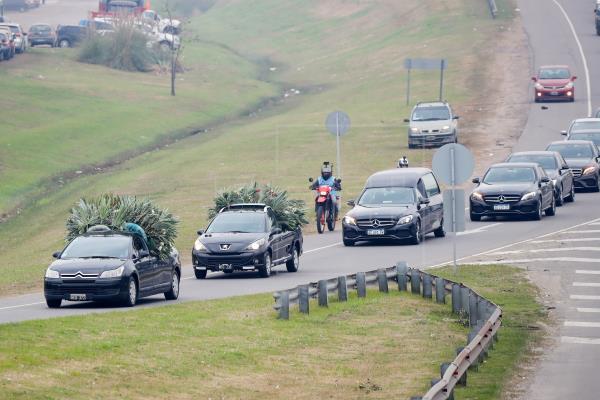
{"points": [[239, 232]]}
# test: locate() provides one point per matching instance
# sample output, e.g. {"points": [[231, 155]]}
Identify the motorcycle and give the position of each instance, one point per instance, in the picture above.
{"points": [[327, 212]]}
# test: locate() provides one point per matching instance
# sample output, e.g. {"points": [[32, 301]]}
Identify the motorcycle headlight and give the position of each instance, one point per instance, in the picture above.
{"points": [[50, 273], [528, 196], [350, 220], [590, 170], [199, 246], [322, 193], [405, 220], [113, 273], [256, 245], [477, 196]]}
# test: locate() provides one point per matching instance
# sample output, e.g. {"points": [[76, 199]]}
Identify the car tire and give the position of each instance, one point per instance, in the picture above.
{"points": [[418, 237], [348, 242], [131, 296], [597, 187], [412, 146], [440, 232], [53, 303], [551, 211], [173, 292], [475, 217], [200, 273], [293, 263], [559, 198], [537, 215], [64, 43], [571, 197], [265, 270]]}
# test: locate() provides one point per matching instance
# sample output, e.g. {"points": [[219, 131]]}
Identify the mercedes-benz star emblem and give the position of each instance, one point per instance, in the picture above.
{"points": [[375, 223], [501, 199]]}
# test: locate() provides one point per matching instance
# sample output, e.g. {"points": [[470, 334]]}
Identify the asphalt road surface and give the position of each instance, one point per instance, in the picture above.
{"points": [[570, 369]]}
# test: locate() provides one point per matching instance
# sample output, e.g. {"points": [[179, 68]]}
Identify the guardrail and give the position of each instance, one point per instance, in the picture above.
{"points": [[493, 8], [484, 317]]}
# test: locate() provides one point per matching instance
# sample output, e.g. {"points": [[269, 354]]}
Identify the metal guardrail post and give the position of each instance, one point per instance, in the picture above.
{"points": [[342, 289], [284, 305], [473, 317], [303, 299], [401, 271], [456, 306], [415, 281], [323, 298], [440, 290], [361, 284], [382, 280], [464, 299], [493, 8], [427, 286]]}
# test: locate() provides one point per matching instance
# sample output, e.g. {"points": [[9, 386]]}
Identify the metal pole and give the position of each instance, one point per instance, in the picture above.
{"points": [[337, 144], [441, 79], [408, 86], [453, 183]]}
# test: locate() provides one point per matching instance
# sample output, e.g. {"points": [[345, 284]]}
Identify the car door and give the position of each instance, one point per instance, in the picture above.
{"points": [[566, 174], [424, 209], [436, 204], [546, 188], [144, 264], [274, 235]]}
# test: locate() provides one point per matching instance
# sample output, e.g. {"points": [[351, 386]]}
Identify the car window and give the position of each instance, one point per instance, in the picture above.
{"points": [[440, 113], [583, 125], [387, 196], [509, 174], [238, 222], [97, 247], [431, 185], [571, 150], [272, 220], [421, 188], [561, 160], [594, 137], [554, 73], [138, 244], [547, 162]]}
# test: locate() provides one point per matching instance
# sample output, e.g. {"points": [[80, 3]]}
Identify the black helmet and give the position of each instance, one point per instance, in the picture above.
{"points": [[326, 170]]}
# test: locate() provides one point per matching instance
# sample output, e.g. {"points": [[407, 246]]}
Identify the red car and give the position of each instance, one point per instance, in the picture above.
{"points": [[554, 82]]}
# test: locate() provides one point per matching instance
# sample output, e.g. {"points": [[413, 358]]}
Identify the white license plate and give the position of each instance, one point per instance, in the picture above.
{"points": [[375, 232], [430, 138], [77, 297], [224, 267], [554, 93], [501, 207]]}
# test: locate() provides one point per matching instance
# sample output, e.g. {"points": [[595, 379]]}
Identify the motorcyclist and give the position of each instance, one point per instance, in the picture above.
{"points": [[327, 179]]}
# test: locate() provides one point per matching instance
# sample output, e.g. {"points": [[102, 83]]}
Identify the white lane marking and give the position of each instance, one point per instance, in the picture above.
{"points": [[567, 240], [587, 271], [583, 297], [478, 230], [322, 248], [530, 260], [579, 340], [594, 224], [22, 305], [582, 324], [546, 250], [188, 277], [583, 59], [588, 310], [583, 232], [586, 284]]}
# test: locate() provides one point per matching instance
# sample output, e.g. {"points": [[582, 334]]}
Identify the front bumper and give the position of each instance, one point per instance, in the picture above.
{"points": [[558, 94], [247, 261], [482, 208], [99, 289], [586, 182], [431, 139], [396, 232]]}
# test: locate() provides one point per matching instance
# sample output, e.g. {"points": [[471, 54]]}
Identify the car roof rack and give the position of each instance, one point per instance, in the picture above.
{"points": [[246, 206]]}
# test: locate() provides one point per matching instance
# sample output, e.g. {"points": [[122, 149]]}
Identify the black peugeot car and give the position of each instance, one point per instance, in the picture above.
{"points": [[583, 158], [107, 265], [398, 204], [555, 167], [246, 237], [513, 189]]}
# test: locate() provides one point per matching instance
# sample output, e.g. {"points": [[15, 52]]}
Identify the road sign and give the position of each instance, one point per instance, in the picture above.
{"points": [[426, 64], [453, 164], [338, 123], [454, 210]]}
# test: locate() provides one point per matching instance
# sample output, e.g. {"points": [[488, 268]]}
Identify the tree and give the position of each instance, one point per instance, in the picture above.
{"points": [[175, 50]]}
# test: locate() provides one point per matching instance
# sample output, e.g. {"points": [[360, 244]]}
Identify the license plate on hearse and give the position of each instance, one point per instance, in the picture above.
{"points": [[376, 232], [501, 207], [78, 297]]}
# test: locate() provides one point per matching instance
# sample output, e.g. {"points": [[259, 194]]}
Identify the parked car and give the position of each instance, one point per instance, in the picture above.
{"points": [[20, 36], [583, 157], [41, 34], [165, 25], [70, 35], [5, 48], [554, 82], [107, 265], [584, 129], [555, 167], [246, 237], [597, 13], [432, 124], [403, 204], [11, 40], [21, 5], [513, 189]]}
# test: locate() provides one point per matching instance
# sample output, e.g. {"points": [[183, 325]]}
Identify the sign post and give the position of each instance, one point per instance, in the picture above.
{"points": [[425, 64], [338, 124]]}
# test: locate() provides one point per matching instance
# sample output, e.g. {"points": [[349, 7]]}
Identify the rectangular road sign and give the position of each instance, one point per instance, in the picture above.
{"points": [[454, 217], [425, 63]]}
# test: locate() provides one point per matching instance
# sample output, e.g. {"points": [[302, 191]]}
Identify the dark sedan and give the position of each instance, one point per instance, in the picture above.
{"points": [[557, 169], [583, 157], [513, 189], [109, 265]]}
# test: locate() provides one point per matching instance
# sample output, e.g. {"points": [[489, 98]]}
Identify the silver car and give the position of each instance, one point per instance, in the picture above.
{"points": [[584, 129], [20, 40], [432, 124]]}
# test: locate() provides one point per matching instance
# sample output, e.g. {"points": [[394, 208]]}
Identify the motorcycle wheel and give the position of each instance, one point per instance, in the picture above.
{"points": [[331, 219], [320, 219]]}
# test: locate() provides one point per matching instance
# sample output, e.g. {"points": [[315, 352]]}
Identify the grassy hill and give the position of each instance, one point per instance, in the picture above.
{"points": [[263, 75]]}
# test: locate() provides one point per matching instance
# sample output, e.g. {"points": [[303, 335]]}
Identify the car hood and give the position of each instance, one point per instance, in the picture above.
{"points": [[579, 162], [430, 124], [360, 212], [554, 82], [500, 188], [237, 241], [86, 265]]}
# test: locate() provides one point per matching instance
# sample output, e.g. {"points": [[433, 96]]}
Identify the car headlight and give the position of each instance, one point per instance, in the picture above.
{"points": [[256, 245], [199, 246], [50, 273], [350, 220], [539, 86], [113, 273], [405, 220], [414, 130], [528, 196], [590, 170], [445, 128], [569, 85], [477, 196]]}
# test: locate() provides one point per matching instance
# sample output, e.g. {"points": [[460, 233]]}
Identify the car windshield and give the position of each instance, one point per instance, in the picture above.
{"points": [[584, 125], [572, 150], [388, 196], [238, 222], [98, 247], [509, 175], [40, 29], [546, 162], [431, 114], [592, 137], [554, 73], [14, 29]]}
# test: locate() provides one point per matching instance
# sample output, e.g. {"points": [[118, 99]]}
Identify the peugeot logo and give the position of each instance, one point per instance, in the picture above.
{"points": [[376, 223], [225, 246], [501, 199]]}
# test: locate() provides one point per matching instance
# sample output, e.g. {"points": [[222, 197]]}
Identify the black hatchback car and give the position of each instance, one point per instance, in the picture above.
{"points": [[70, 35], [583, 157], [107, 265], [398, 204], [513, 189], [557, 169]]}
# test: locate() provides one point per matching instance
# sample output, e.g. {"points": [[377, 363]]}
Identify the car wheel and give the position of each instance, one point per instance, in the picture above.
{"points": [[597, 187], [537, 215], [440, 232], [64, 43], [559, 197], [265, 270], [200, 273], [475, 217], [173, 293], [53, 303], [571, 197], [348, 243], [418, 235], [130, 298], [293, 263], [551, 211]]}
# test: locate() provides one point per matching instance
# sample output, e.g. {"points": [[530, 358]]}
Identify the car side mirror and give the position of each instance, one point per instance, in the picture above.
{"points": [[310, 180], [424, 201], [143, 253], [56, 254], [564, 133], [406, 120], [351, 203], [598, 159], [476, 180], [276, 231], [200, 232], [545, 179], [456, 117], [573, 78], [533, 78]]}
